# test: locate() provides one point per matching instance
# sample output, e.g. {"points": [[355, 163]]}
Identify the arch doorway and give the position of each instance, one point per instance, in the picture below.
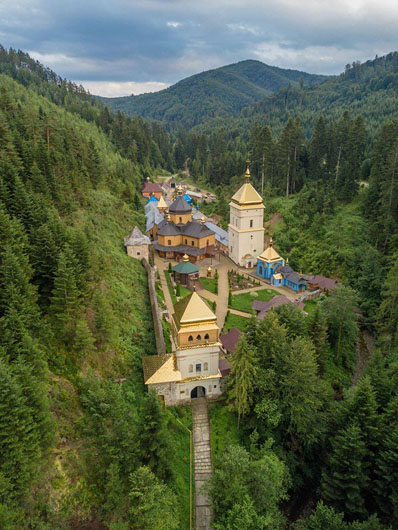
{"points": [[198, 391]]}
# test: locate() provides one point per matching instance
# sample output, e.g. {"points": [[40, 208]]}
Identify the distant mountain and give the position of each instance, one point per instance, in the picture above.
{"points": [[369, 89], [218, 93]]}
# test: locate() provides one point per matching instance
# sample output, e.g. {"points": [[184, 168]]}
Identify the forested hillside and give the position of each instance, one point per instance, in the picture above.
{"points": [[78, 449], [82, 444], [218, 93]]}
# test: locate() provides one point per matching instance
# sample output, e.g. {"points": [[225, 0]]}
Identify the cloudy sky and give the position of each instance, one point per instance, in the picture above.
{"points": [[119, 47]]}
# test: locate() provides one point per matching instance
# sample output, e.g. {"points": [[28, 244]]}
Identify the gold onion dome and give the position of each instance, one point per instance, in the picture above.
{"points": [[185, 257], [203, 220]]}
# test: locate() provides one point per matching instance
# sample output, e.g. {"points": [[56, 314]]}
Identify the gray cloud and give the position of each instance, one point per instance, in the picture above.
{"points": [[136, 43]]}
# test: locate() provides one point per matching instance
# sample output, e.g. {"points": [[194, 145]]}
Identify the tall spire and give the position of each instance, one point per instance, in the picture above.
{"points": [[247, 174]]}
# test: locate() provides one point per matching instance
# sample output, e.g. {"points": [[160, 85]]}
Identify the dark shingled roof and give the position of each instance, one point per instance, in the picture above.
{"points": [[169, 229], [185, 249], [180, 205], [195, 229], [295, 278], [285, 269]]}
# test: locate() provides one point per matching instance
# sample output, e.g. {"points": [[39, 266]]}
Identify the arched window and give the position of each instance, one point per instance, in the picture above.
{"points": [[251, 223], [205, 366], [190, 338], [190, 369], [198, 337], [180, 219], [207, 336]]}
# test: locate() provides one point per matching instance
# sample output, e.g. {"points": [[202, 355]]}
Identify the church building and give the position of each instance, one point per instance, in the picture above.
{"points": [[271, 266], [193, 369], [180, 234], [246, 225]]}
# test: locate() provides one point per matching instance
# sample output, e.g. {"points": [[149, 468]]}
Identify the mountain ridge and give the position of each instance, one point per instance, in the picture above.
{"points": [[220, 92]]}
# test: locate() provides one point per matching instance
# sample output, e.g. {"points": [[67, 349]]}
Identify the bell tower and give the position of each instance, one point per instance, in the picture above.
{"points": [[246, 224]]}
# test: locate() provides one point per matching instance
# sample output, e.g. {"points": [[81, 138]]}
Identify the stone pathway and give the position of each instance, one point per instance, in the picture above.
{"points": [[240, 313], [161, 267], [202, 462]]}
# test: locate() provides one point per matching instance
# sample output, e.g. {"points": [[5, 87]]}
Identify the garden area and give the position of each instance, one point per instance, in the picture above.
{"points": [[244, 301], [239, 281], [234, 321], [210, 284]]}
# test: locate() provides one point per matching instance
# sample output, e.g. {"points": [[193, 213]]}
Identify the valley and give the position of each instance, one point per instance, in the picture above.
{"points": [[303, 418]]}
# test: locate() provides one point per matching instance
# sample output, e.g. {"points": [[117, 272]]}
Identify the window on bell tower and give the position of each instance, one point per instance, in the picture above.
{"points": [[251, 223]]}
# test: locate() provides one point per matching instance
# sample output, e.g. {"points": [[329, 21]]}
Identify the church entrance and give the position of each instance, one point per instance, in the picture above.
{"points": [[198, 391]]}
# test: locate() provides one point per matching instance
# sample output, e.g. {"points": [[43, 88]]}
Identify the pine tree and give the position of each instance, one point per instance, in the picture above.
{"points": [[386, 483], [341, 313], [344, 479], [388, 311], [20, 436], [154, 440], [153, 506], [317, 331], [242, 378], [302, 395], [65, 299]]}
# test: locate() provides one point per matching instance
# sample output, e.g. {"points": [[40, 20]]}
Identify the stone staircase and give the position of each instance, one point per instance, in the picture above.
{"points": [[202, 462]]}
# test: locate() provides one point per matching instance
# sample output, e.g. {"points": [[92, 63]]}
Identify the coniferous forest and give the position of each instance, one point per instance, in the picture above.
{"points": [[83, 444]]}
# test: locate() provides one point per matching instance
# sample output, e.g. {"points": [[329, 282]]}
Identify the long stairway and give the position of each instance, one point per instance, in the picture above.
{"points": [[202, 462]]}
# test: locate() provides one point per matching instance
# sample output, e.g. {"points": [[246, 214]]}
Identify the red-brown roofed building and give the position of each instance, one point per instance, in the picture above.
{"points": [[150, 189], [230, 339], [262, 308], [326, 285]]}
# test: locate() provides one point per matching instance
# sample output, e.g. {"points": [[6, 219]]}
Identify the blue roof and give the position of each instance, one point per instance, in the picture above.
{"points": [[153, 199], [187, 198]]}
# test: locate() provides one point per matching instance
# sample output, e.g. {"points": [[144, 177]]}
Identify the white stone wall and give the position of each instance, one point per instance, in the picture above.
{"points": [[211, 386], [200, 355], [246, 234], [138, 251], [180, 393]]}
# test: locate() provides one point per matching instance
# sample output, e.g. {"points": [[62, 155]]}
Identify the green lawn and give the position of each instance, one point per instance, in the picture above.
{"points": [[170, 286], [243, 302], [223, 428], [235, 321], [183, 290], [180, 463], [209, 284], [310, 306]]}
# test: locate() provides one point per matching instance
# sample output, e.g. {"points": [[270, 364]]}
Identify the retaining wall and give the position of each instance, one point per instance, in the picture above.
{"points": [[156, 316]]}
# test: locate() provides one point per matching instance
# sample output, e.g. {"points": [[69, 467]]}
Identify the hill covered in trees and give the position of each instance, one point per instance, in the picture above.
{"points": [[77, 448], [219, 93], [82, 443]]}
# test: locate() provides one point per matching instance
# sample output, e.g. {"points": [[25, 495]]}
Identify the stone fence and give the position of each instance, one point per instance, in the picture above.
{"points": [[156, 316]]}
